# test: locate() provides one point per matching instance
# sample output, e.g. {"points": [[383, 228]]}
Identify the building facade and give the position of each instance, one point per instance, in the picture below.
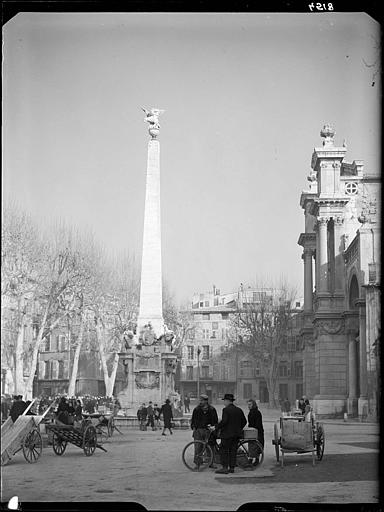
{"points": [[341, 321], [205, 364]]}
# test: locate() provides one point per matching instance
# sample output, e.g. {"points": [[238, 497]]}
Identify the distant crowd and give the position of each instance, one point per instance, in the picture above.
{"points": [[14, 406]]}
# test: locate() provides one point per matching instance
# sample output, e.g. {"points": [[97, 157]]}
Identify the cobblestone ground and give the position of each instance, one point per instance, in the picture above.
{"points": [[146, 467]]}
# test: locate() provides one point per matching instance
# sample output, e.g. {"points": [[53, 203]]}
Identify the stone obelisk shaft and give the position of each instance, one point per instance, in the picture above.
{"points": [[151, 309]]}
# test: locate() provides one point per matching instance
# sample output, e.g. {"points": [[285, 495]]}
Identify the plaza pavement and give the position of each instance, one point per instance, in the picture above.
{"points": [[146, 468]]}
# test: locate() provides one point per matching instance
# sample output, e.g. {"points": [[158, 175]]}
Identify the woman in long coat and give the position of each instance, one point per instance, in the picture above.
{"points": [[166, 411], [255, 420]]}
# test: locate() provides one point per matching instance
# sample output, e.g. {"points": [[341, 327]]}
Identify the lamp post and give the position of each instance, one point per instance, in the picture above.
{"points": [[198, 372]]}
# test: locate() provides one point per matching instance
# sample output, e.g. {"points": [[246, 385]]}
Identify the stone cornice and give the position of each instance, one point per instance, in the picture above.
{"points": [[305, 197], [332, 201], [307, 240], [330, 153]]}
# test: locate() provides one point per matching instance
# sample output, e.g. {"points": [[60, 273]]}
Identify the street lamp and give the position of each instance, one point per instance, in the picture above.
{"points": [[198, 372]]}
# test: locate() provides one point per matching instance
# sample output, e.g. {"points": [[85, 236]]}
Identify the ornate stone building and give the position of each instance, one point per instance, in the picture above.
{"points": [[341, 321]]}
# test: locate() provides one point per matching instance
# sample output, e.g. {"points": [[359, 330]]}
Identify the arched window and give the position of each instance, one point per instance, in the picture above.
{"points": [[353, 293]]}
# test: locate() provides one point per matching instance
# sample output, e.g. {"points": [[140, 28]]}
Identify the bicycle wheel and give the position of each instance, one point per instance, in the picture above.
{"points": [[250, 453], [197, 455]]}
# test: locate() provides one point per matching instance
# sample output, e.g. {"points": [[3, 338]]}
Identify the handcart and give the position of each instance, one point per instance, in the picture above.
{"points": [[292, 434], [84, 436], [103, 423], [23, 434]]}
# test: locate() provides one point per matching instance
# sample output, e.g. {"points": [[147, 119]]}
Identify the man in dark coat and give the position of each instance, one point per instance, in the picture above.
{"points": [[166, 411], [151, 416], [18, 407], [231, 425], [203, 416], [142, 417]]}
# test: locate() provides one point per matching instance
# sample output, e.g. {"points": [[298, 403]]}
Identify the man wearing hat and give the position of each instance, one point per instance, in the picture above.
{"points": [[231, 425], [203, 416]]}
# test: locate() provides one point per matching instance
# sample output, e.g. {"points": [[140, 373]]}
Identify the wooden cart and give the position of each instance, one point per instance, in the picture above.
{"points": [[292, 434], [23, 435], [84, 437], [104, 424]]}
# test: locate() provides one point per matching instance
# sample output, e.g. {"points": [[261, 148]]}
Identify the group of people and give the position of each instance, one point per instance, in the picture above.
{"points": [[205, 423], [304, 406], [152, 414], [67, 409]]}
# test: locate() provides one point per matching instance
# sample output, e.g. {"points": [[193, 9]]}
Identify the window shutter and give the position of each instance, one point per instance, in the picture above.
{"points": [[66, 369], [41, 369], [55, 369]]}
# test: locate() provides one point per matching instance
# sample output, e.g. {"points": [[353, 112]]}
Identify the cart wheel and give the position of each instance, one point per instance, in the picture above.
{"points": [[58, 444], [250, 453], [32, 446], [320, 441], [89, 440], [276, 441], [111, 426]]}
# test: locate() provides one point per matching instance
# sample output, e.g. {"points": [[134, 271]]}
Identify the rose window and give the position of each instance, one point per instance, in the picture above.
{"points": [[351, 189]]}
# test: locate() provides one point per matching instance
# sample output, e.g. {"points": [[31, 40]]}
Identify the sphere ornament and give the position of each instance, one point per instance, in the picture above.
{"points": [[154, 132]]}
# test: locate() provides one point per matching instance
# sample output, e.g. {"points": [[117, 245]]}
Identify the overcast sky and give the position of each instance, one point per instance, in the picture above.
{"points": [[245, 97]]}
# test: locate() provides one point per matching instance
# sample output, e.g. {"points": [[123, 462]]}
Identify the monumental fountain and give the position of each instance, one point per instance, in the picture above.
{"points": [[149, 361]]}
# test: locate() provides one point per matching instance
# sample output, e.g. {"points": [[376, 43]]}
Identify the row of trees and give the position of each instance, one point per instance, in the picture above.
{"points": [[59, 276]]}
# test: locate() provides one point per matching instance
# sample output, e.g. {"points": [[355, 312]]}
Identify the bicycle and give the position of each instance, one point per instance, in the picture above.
{"points": [[199, 454]]}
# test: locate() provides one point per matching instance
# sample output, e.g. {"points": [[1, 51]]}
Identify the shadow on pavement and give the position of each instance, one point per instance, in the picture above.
{"points": [[333, 468]]}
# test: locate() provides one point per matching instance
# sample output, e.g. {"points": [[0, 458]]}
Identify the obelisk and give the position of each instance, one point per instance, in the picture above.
{"points": [[151, 308]]}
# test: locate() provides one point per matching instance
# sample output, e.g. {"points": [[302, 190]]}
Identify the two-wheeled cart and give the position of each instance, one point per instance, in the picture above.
{"points": [[83, 436], [104, 424], [23, 434], [293, 434]]}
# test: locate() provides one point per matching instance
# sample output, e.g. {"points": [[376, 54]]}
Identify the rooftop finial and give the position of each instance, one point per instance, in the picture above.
{"points": [[328, 133]]}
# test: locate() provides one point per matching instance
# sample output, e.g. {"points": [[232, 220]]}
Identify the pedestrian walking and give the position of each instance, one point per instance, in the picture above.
{"points": [[5, 407], [302, 405], [151, 416], [157, 412], [204, 415], [231, 425], [187, 402], [116, 407], [166, 412], [142, 417]]}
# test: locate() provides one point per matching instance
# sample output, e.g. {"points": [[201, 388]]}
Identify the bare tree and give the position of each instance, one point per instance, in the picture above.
{"points": [[21, 271], [259, 328], [114, 307], [59, 288]]}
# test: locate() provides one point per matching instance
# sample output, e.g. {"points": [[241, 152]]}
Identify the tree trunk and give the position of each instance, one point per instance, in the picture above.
{"points": [[36, 348], [19, 350], [109, 381], [19, 360], [76, 357], [112, 378]]}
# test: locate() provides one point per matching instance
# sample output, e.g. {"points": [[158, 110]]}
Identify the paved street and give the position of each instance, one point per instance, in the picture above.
{"points": [[147, 468]]}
